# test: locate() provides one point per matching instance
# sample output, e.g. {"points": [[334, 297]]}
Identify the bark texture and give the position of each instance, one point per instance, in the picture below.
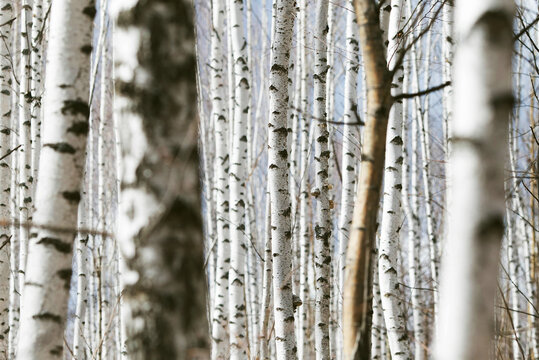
{"points": [[278, 181], [160, 228], [357, 295], [47, 281]]}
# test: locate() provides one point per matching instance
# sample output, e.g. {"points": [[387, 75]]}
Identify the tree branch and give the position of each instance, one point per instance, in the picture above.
{"points": [[422, 92]]}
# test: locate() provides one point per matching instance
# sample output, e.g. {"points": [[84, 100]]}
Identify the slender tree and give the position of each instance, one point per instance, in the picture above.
{"points": [[278, 180], [390, 292], [219, 118], [483, 102], [358, 277], [322, 226], [6, 15]]}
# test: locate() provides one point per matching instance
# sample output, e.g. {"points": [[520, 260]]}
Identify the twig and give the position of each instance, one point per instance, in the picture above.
{"points": [[422, 92]]}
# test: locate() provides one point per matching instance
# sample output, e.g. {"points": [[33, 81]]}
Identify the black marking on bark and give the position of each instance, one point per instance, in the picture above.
{"points": [[281, 131], [325, 153], [58, 244], [75, 107], [397, 140], [490, 226], [65, 275], [57, 350], [279, 68], [79, 128], [62, 147], [283, 154], [71, 196], [89, 11], [47, 316], [322, 139]]}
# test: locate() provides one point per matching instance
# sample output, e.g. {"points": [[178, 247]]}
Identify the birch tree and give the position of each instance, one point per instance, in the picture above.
{"points": [[6, 15], [25, 152], [322, 226], [391, 296], [237, 179], [219, 119], [160, 229], [47, 281], [304, 197], [278, 181], [483, 102]]}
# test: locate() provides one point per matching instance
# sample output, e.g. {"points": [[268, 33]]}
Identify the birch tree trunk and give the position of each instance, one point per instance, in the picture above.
{"points": [[36, 85], [237, 180], [350, 146], [388, 251], [6, 15], [47, 281], [14, 293], [160, 228], [322, 226], [25, 152], [278, 181], [219, 118], [483, 102], [265, 309], [411, 204], [304, 197]]}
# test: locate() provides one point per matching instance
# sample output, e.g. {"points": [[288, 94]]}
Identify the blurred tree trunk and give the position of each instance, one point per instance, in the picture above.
{"points": [[160, 226], [483, 103]]}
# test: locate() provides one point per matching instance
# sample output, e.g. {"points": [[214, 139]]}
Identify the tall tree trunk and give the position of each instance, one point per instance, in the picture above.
{"points": [[25, 152], [388, 251], [278, 180], [350, 145], [14, 293], [47, 281], [322, 227], [357, 307], [6, 15], [304, 196], [483, 102], [219, 119], [160, 227], [237, 180]]}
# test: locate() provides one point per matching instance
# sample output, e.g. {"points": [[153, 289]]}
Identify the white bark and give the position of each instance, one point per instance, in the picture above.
{"points": [[5, 175], [47, 281], [388, 267], [25, 152], [238, 191], [265, 309], [350, 139], [411, 207], [14, 296], [483, 101], [36, 86], [219, 118], [322, 226], [513, 274], [278, 181], [304, 196], [424, 138]]}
